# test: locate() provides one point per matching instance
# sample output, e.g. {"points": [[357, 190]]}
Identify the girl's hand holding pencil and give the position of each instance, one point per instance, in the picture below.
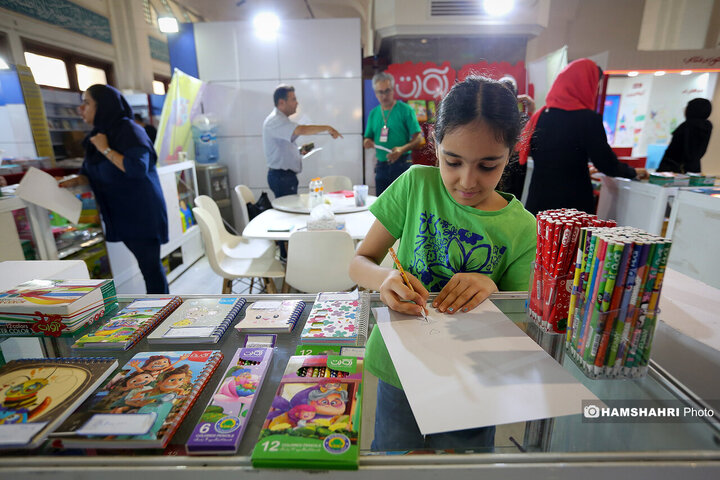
{"points": [[401, 288], [464, 292]]}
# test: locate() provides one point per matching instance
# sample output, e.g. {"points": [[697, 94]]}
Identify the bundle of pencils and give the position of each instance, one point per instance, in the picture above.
{"points": [[558, 232], [614, 301]]}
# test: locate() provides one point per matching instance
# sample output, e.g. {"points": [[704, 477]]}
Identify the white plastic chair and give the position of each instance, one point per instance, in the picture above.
{"points": [[229, 268], [234, 246], [318, 261], [334, 183], [244, 196]]}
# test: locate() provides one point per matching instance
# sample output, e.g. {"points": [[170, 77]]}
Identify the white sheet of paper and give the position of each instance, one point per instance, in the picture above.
{"points": [[118, 424], [475, 369], [384, 149], [311, 152], [19, 433], [42, 189]]}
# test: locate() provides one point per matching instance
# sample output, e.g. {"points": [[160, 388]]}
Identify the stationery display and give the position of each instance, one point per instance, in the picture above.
{"points": [[268, 316], [54, 307], [143, 405], [558, 232], [338, 318], [130, 325], [36, 395], [202, 320], [224, 420], [614, 305], [314, 420]]}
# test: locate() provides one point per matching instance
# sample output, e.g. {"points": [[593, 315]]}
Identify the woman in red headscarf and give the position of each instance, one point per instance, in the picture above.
{"points": [[563, 136]]}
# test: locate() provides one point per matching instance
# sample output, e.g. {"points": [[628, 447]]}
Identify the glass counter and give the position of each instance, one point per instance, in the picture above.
{"points": [[562, 447]]}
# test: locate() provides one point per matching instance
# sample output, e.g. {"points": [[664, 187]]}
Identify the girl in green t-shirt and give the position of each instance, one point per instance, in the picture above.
{"points": [[459, 236]]}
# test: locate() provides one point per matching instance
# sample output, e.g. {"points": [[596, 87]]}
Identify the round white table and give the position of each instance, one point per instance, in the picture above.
{"points": [[336, 201]]}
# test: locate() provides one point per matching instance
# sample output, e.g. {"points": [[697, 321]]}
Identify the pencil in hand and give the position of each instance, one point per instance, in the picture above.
{"points": [[406, 280]]}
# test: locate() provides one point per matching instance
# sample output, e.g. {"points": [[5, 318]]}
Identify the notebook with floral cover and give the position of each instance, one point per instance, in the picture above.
{"points": [[339, 318]]}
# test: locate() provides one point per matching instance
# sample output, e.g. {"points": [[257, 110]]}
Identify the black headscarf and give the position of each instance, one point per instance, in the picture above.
{"points": [[689, 140], [113, 117]]}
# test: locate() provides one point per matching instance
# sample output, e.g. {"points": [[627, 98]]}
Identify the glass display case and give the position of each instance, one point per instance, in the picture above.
{"points": [[562, 447]]}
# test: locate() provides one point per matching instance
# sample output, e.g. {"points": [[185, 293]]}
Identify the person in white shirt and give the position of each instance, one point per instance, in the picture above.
{"points": [[284, 159]]}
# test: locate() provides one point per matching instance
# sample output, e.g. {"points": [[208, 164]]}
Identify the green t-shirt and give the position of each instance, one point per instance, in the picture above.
{"points": [[402, 125], [439, 237]]}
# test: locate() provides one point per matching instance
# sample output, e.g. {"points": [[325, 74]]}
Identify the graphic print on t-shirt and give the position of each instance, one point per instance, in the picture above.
{"points": [[443, 249]]}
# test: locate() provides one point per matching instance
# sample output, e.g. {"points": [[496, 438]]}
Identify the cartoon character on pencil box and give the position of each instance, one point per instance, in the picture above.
{"points": [[34, 393], [316, 411], [239, 386]]}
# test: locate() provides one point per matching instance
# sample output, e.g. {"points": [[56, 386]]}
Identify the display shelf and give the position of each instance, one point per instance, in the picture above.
{"points": [[570, 448]]}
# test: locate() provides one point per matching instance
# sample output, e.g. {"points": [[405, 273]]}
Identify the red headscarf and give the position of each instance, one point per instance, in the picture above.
{"points": [[575, 88]]}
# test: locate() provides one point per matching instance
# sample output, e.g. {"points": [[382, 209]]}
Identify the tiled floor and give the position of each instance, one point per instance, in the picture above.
{"points": [[200, 279]]}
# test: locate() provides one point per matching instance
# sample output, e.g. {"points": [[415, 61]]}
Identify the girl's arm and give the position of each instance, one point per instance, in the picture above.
{"points": [[366, 271]]}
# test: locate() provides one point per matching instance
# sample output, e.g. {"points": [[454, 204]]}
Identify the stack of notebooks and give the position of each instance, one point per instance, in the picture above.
{"points": [[54, 307], [269, 316], [224, 420], [339, 318], [143, 405], [38, 394], [314, 419], [130, 325], [201, 320]]}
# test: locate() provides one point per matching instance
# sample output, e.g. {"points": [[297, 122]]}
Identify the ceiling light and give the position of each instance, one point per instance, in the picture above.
{"points": [[424, 40], [659, 73], [497, 8], [686, 72], [634, 73], [168, 24], [266, 25]]}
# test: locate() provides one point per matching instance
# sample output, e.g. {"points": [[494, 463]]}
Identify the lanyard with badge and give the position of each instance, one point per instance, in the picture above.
{"points": [[385, 130]]}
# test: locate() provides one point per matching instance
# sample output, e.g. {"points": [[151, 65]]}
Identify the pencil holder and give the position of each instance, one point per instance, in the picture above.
{"points": [[549, 299], [613, 343]]}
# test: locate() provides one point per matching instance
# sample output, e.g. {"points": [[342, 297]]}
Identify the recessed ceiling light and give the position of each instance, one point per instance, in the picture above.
{"points": [[686, 72], [659, 73], [168, 24], [633, 74], [266, 25]]}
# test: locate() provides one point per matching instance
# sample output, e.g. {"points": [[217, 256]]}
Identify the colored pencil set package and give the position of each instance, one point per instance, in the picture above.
{"points": [[314, 419], [558, 233], [614, 303], [226, 416]]}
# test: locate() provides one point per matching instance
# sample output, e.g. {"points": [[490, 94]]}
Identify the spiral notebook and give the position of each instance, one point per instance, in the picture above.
{"points": [[39, 394], [130, 325], [201, 320], [269, 316], [339, 318], [143, 405]]}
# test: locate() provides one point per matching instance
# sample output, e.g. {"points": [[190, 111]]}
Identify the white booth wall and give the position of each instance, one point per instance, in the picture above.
{"points": [[652, 107], [320, 58]]}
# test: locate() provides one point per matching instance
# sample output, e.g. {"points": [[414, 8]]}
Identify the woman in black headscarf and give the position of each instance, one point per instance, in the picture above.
{"points": [[689, 140], [120, 167]]}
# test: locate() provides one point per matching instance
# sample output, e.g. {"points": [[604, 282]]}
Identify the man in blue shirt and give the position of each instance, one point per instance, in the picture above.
{"points": [[279, 134]]}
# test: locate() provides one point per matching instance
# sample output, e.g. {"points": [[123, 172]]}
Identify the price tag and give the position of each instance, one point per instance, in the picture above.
{"points": [[118, 424], [266, 305], [19, 433]]}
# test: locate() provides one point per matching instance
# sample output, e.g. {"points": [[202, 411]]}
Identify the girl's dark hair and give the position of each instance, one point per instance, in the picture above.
{"points": [[479, 99]]}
